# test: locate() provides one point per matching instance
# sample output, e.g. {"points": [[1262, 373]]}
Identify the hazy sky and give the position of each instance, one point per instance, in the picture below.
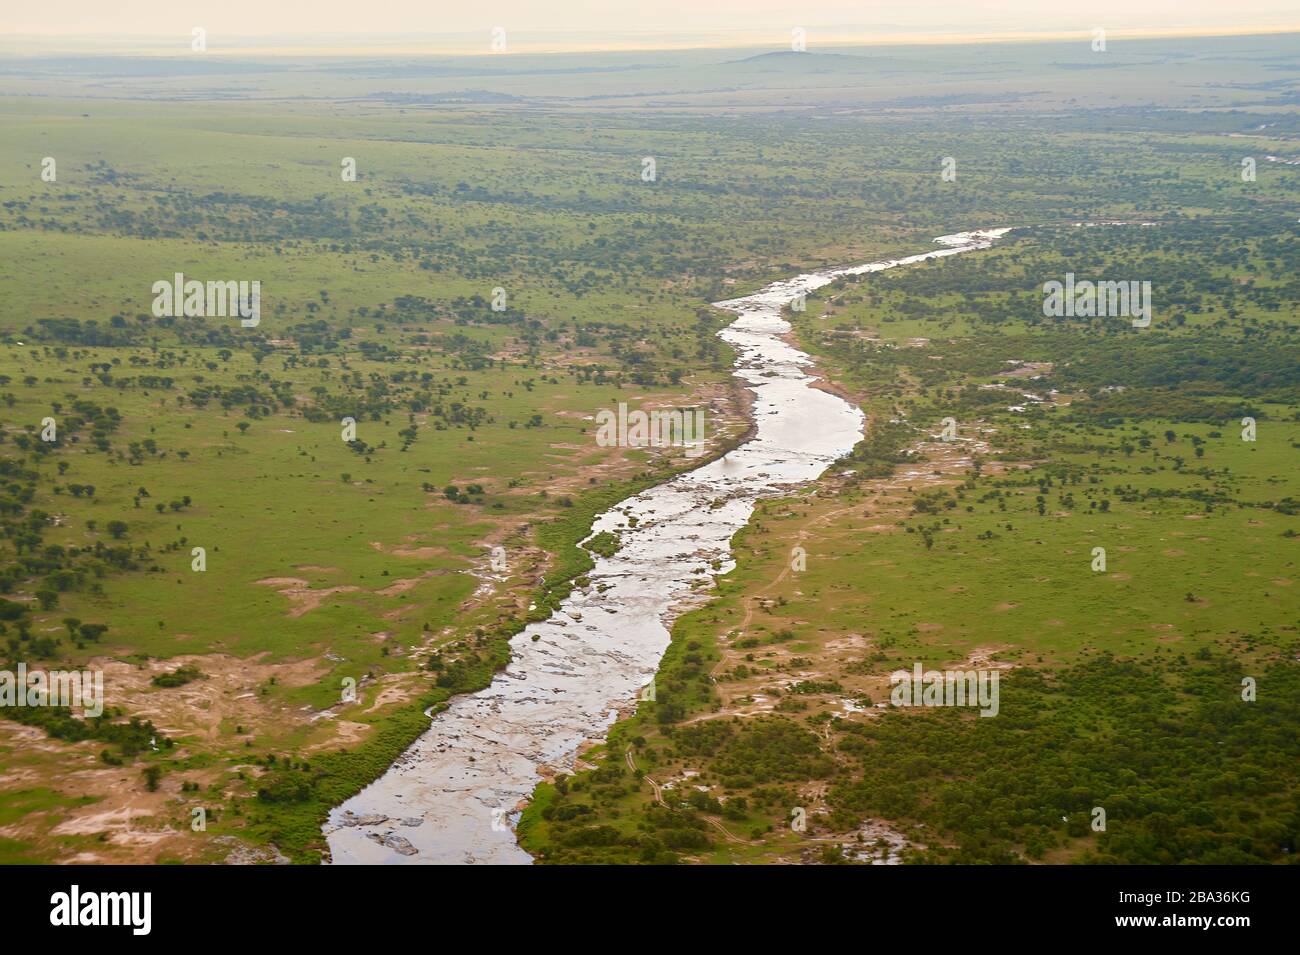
{"points": [[837, 19]]}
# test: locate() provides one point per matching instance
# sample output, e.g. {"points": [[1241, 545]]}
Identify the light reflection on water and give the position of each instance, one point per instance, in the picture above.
{"points": [[444, 799]]}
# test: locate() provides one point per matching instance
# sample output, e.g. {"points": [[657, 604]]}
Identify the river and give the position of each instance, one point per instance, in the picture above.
{"points": [[453, 795]]}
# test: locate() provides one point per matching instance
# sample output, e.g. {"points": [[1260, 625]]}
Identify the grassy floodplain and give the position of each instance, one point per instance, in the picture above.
{"points": [[371, 561], [1122, 680]]}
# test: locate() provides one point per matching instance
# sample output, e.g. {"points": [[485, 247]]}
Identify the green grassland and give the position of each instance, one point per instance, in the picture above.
{"points": [[472, 431], [1122, 685], [328, 560]]}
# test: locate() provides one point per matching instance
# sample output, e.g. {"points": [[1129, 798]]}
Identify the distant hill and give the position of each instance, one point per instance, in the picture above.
{"points": [[795, 60]]}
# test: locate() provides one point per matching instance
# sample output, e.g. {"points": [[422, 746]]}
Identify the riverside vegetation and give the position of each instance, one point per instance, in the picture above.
{"points": [[370, 560], [1122, 685]]}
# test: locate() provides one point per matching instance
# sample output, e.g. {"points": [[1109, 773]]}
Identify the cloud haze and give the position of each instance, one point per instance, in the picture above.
{"points": [[835, 19]]}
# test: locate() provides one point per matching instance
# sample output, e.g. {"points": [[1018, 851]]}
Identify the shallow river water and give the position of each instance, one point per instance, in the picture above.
{"points": [[452, 796]]}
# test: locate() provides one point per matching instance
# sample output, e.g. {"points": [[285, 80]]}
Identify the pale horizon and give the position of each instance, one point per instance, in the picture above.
{"points": [[155, 27]]}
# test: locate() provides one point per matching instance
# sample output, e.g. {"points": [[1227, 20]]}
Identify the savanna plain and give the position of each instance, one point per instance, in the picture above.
{"points": [[288, 546]]}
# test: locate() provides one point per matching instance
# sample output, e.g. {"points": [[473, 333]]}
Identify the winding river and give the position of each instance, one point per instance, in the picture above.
{"points": [[453, 796]]}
